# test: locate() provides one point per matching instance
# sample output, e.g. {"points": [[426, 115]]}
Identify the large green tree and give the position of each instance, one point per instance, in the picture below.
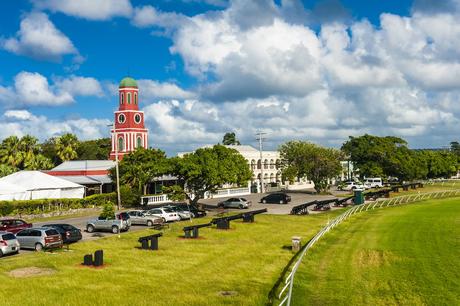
{"points": [[230, 139], [23, 153], [96, 149], [140, 167], [66, 147], [303, 159], [208, 169], [10, 152]]}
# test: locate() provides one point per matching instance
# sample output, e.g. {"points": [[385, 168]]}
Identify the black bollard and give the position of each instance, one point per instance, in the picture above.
{"points": [[145, 244], [154, 243], [195, 232], [98, 258], [223, 224], [88, 260]]}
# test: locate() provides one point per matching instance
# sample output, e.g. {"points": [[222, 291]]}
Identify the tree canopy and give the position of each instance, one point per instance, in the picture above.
{"points": [[390, 156], [303, 159], [230, 139], [208, 169]]}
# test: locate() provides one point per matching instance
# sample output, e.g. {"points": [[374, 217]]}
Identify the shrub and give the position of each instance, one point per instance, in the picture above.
{"points": [[129, 196], [108, 211]]}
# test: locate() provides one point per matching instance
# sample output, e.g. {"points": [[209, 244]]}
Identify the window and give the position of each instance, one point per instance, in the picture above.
{"points": [[35, 233], [135, 98], [129, 98], [137, 118], [8, 237], [23, 233], [18, 222], [121, 118], [139, 142], [121, 144], [122, 98]]}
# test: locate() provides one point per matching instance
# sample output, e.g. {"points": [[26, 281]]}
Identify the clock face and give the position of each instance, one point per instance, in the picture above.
{"points": [[121, 118], [137, 118]]}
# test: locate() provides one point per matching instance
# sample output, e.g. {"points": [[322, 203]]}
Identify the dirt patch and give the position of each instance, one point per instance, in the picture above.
{"points": [[31, 272], [228, 293], [374, 258]]}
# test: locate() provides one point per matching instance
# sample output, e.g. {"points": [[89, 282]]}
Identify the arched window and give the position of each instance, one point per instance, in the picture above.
{"points": [[272, 164], [253, 164], [129, 98], [122, 98], [259, 164], [139, 142], [121, 144], [266, 164], [135, 98]]}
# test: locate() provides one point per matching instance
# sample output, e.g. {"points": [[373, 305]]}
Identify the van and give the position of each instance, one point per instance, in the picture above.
{"points": [[373, 182]]}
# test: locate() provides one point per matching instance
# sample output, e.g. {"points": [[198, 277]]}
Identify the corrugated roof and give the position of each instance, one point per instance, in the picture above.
{"points": [[80, 165], [87, 180]]}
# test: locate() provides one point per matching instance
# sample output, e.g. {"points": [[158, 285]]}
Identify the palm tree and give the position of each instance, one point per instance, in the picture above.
{"points": [[38, 162], [10, 152], [6, 170], [29, 148], [66, 147]]}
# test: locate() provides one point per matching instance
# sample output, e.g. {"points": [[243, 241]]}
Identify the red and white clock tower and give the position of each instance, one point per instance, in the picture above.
{"points": [[129, 131]]}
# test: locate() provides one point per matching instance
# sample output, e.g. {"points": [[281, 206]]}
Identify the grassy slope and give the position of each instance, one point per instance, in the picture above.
{"points": [[403, 255], [246, 259]]}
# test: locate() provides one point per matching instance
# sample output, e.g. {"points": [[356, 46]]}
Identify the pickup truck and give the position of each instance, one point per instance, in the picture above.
{"points": [[121, 222]]}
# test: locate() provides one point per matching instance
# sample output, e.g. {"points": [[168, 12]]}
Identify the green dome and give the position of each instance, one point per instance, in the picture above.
{"points": [[128, 82]]}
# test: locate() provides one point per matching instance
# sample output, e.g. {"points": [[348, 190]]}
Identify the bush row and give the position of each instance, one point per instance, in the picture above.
{"points": [[29, 207]]}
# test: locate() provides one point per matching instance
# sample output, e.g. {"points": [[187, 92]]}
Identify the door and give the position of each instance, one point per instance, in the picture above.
{"points": [[22, 238]]}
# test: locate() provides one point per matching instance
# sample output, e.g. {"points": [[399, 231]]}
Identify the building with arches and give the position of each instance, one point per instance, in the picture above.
{"points": [[129, 132]]}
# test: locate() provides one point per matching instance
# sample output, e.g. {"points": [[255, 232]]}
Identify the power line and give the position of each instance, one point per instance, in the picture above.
{"points": [[260, 138]]}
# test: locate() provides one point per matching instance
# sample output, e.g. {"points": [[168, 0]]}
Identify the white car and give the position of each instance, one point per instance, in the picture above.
{"points": [[373, 182], [164, 212], [352, 186]]}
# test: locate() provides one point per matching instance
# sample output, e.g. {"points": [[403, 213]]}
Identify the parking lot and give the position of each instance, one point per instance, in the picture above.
{"points": [[297, 198]]}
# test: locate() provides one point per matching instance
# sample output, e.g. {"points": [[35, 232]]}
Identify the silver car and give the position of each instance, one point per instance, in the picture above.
{"points": [[8, 243], [138, 217], [235, 203], [39, 238]]}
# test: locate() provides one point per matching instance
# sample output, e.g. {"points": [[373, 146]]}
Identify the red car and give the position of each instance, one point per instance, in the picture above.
{"points": [[13, 225]]}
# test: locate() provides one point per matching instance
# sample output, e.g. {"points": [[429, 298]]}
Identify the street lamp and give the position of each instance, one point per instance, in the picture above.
{"points": [[116, 165]]}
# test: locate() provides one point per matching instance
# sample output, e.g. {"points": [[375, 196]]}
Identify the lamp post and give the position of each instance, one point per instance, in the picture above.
{"points": [[116, 166]]}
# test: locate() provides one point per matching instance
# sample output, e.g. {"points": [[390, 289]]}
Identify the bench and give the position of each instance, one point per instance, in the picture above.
{"points": [[302, 209], [153, 239], [249, 216], [192, 230]]}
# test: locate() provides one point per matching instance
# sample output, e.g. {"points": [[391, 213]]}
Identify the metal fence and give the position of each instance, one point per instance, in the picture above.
{"points": [[285, 294]]}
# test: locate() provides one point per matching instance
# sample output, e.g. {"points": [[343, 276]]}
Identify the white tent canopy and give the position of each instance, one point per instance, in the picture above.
{"points": [[28, 185]]}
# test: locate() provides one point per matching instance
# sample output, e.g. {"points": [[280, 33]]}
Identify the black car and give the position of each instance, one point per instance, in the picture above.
{"points": [[69, 233], [196, 213], [276, 198]]}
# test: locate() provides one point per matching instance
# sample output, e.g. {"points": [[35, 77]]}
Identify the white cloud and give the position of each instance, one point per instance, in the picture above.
{"points": [[32, 88], [88, 9], [39, 38], [80, 86], [22, 122], [147, 15], [151, 89]]}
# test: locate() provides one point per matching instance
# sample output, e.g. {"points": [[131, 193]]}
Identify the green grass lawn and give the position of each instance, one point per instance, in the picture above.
{"points": [[245, 260], [407, 255]]}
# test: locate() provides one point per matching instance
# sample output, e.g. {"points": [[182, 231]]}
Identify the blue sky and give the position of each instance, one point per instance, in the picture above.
{"points": [[312, 70]]}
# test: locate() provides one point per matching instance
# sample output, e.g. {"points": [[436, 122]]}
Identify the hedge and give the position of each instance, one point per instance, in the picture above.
{"points": [[29, 207]]}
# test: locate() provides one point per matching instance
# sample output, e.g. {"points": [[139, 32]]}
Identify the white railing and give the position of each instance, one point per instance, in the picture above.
{"points": [[221, 193], [155, 199], [285, 294]]}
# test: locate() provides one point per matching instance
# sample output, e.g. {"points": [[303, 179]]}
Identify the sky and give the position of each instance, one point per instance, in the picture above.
{"points": [[313, 70]]}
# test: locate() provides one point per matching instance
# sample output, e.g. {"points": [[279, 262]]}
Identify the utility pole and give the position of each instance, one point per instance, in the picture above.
{"points": [[262, 164], [116, 166]]}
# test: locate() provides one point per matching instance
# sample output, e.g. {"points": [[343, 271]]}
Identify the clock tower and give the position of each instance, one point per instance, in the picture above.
{"points": [[129, 131]]}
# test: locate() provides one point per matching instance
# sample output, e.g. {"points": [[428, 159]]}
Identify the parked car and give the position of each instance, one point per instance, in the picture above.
{"points": [[165, 213], [278, 197], [235, 203], [139, 217], [352, 186], [69, 233], [122, 222], [39, 238], [183, 214], [195, 211], [8, 243], [13, 225], [373, 182]]}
